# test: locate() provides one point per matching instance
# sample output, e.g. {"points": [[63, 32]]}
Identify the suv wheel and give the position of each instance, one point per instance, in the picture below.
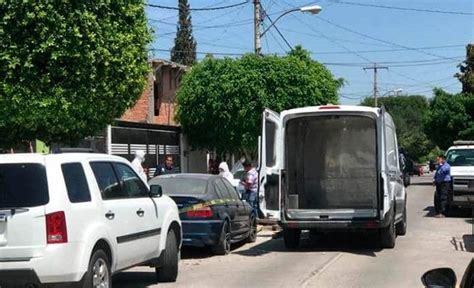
{"points": [[223, 246], [388, 235], [401, 228], [98, 274], [291, 238], [168, 271], [253, 230]]}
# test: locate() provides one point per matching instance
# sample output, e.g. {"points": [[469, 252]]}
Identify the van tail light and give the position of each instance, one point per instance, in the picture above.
{"points": [[56, 230], [205, 212], [329, 107]]}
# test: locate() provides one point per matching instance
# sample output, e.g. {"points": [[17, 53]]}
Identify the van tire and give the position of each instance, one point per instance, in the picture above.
{"points": [[291, 238], [388, 235], [401, 228], [99, 257], [223, 246], [168, 271]]}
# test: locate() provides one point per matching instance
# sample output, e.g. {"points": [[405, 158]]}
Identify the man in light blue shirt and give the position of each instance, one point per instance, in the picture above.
{"points": [[442, 180]]}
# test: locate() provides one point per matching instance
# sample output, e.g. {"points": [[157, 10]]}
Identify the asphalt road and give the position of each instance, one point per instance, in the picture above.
{"points": [[333, 260]]}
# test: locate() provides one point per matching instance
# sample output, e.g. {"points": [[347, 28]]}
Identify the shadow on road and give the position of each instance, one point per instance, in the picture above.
{"points": [[134, 279], [430, 211], [355, 243]]}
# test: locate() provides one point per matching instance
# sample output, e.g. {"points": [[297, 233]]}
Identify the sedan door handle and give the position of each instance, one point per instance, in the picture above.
{"points": [[140, 212], [110, 215]]}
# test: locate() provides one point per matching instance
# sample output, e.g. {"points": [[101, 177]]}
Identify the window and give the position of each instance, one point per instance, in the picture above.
{"points": [[132, 185], [270, 141], [222, 190], [76, 183], [181, 186], [23, 185], [231, 189], [107, 181], [391, 148]]}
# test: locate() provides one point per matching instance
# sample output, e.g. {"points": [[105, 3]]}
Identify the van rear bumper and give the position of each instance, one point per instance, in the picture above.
{"points": [[336, 225]]}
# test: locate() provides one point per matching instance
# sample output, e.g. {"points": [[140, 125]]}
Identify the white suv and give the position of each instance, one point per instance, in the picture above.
{"points": [[81, 218]]}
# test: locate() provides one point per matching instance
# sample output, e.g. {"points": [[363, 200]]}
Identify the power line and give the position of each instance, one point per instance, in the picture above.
{"points": [[404, 8], [198, 9], [380, 40], [276, 28]]}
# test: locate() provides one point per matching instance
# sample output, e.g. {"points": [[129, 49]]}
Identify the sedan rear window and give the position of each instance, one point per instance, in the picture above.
{"points": [[23, 185], [182, 186]]}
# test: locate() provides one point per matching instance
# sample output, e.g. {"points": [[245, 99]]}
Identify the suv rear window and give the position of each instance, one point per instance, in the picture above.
{"points": [[23, 185]]}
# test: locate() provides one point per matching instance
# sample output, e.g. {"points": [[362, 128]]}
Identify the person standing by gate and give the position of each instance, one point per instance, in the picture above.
{"points": [[168, 168], [442, 180]]}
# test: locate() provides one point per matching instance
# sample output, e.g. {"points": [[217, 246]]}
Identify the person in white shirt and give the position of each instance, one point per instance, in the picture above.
{"points": [[137, 164], [224, 172]]}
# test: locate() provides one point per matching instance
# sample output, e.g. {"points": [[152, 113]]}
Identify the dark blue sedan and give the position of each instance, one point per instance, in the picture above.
{"points": [[211, 211]]}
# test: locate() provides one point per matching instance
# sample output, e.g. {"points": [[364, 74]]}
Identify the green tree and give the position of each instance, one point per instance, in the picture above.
{"points": [[220, 102], [450, 118], [466, 75], [408, 113], [184, 50], [68, 69]]}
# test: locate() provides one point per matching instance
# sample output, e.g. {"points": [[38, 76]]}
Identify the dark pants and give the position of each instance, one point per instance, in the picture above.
{"points": [[441, 197]]}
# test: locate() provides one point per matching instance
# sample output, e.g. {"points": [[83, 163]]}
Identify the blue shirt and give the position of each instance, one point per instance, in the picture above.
{"points": [[443, 173]]}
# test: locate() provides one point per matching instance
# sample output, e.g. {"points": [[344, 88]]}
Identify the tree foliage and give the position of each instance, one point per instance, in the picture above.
{"points": [[466, 75], [408, 113], [220, 102], [184, 50], [450, 118], [68, 69]]}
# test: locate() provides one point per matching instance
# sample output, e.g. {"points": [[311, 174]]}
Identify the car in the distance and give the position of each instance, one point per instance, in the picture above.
{"points": [[460, 157], [211, 211], [80, 218]]}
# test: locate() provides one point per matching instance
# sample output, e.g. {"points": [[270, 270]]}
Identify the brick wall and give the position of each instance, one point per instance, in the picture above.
{"points": [[167, 82]]}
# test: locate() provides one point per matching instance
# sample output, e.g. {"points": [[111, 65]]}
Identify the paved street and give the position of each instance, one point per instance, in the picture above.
{"points": [[335, 260]]}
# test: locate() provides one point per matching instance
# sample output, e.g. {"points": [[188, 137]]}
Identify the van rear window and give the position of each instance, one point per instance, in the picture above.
{"points": [[23, 185]]}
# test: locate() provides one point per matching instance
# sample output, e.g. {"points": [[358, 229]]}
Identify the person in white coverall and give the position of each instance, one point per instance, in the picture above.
{"points": [[224, 172], [137, 164]]}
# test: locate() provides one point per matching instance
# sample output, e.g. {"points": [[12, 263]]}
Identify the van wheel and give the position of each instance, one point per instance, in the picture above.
{"points": [[168, 271], [98, 273], [291, 238], [253, 230], [401, 228], [388, 235], [223, 247]]}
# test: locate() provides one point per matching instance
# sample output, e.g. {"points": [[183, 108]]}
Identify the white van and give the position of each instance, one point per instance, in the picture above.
{"points": [[332, 168]]}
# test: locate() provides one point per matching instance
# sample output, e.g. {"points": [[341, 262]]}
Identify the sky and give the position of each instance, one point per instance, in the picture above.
{"points": [[420, 49]]}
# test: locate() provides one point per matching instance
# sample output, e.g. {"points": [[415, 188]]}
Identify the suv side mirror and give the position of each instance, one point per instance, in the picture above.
{"points": [[156, 190], [440, 277]]}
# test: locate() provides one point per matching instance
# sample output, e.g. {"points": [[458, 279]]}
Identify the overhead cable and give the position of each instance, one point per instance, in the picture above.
{"points": [[404, 8], [197, 9]]}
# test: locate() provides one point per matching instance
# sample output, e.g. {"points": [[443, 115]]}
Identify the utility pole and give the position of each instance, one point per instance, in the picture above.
{"points": [[375, 68], [257, 21]]}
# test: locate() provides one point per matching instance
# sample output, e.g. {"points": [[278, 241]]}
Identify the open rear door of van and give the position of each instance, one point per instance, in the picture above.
{"points": [[269, 165]]}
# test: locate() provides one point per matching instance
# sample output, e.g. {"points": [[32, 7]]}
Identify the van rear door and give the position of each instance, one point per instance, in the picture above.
{"points": [[269, 165], [23, 196]]}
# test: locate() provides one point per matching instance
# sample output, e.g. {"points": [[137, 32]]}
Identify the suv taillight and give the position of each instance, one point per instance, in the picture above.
{"points": [[56, 230], [205, 212]]}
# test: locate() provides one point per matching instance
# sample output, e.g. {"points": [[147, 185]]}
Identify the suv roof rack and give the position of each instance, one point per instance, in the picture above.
{"points": [[463, 142]]}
